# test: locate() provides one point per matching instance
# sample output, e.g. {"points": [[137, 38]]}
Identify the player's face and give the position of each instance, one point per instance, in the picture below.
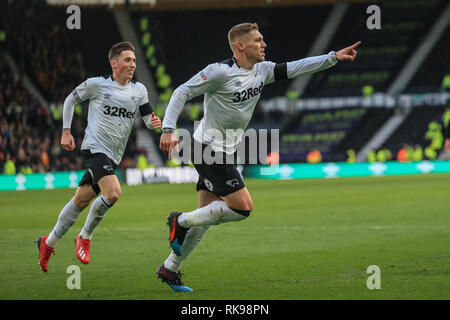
{"points": [[125, 65], [255, 46]]}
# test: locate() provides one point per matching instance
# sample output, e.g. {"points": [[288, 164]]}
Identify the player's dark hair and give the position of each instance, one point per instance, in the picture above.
{"points": [[117, 49], [241, 29]]}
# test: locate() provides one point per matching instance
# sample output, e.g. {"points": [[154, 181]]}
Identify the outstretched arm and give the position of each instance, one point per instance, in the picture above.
{"points": [[298, 68]]}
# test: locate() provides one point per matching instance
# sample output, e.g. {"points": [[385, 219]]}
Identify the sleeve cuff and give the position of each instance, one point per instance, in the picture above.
{"points": [[332, 57]]}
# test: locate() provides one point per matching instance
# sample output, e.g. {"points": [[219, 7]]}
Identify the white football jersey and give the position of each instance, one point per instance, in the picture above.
{"points": [[231, 94], [112, 110]]}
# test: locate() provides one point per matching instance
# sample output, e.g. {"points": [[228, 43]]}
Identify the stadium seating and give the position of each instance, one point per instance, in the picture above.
{"points": [[51, 56], [382, 53], [372, 120], [413, 129], [332, 132], [179, 44], [40, 47], [431, 73], [202, 39]]}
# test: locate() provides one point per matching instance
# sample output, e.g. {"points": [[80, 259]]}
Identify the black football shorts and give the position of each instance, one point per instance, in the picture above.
{"points": [[220, 179], [97, 166]]}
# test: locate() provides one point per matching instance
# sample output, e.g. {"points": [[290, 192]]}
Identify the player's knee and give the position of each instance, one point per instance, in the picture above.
{"points": [[113, 195], [81, 202], [242, 212], [246, 205]]}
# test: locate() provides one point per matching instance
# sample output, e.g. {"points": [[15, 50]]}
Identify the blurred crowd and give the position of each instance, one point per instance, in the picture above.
{"points": [[41, 48], [30, 131]]}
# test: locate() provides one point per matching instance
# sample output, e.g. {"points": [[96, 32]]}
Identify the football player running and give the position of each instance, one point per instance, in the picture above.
{"points": [[231, 91], [114, 101]]}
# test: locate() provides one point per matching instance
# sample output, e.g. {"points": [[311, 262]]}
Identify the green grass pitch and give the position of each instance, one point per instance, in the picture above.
{"points": [[306, 239]]}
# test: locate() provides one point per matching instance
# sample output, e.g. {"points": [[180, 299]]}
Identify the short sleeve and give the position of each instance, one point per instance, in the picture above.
{"points": [[86, 90]]}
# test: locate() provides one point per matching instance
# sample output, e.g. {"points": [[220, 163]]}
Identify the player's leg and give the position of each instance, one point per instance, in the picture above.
{"points": [[224, 181], [169, 271], [66, 219], [234, 207], [239, 200], [103, 180], [235, 203], [70, 213], [193, 236], [110, 192]]}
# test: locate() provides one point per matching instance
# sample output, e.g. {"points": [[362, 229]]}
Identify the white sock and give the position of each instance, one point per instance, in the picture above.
{"points": [[96, 214], [216, 212], [193, 236], [66, 219]]}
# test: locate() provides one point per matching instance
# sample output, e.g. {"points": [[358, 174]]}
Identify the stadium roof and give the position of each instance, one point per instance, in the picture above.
{"points": [[194, 4]]}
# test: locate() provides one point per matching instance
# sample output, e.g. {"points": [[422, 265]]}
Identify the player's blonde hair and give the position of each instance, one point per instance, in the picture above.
{"points": [[117, 49], [238, 31]]}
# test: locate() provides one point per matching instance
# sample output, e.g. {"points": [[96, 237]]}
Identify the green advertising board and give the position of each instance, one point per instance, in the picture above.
{"points": [[343, 169], [49, 180]]}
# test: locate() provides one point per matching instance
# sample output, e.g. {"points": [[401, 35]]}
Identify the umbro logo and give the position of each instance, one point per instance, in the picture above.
{"points": [[135, 99], [238, 83], [108, 167]]}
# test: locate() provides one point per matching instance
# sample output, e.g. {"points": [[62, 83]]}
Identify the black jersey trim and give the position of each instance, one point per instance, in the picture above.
{"points": [[145, 109], [133, 81], [280, 71], [229, 62]]}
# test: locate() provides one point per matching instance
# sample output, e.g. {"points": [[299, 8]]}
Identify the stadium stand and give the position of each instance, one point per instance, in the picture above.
{"points": [[413, 130], [431, 73], [40, 47], [53, 59], [383, 53], [203, 37], [370, 122], [56, 60], [332, 132]]}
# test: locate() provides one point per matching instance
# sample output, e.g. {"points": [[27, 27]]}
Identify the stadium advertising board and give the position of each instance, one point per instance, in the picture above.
{"points": [[164, 174], [321, 130], [49, 180], [339, 169]]}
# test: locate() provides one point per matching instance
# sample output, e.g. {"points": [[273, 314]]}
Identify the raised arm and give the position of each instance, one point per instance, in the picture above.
{"points": [[301, 67]]}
